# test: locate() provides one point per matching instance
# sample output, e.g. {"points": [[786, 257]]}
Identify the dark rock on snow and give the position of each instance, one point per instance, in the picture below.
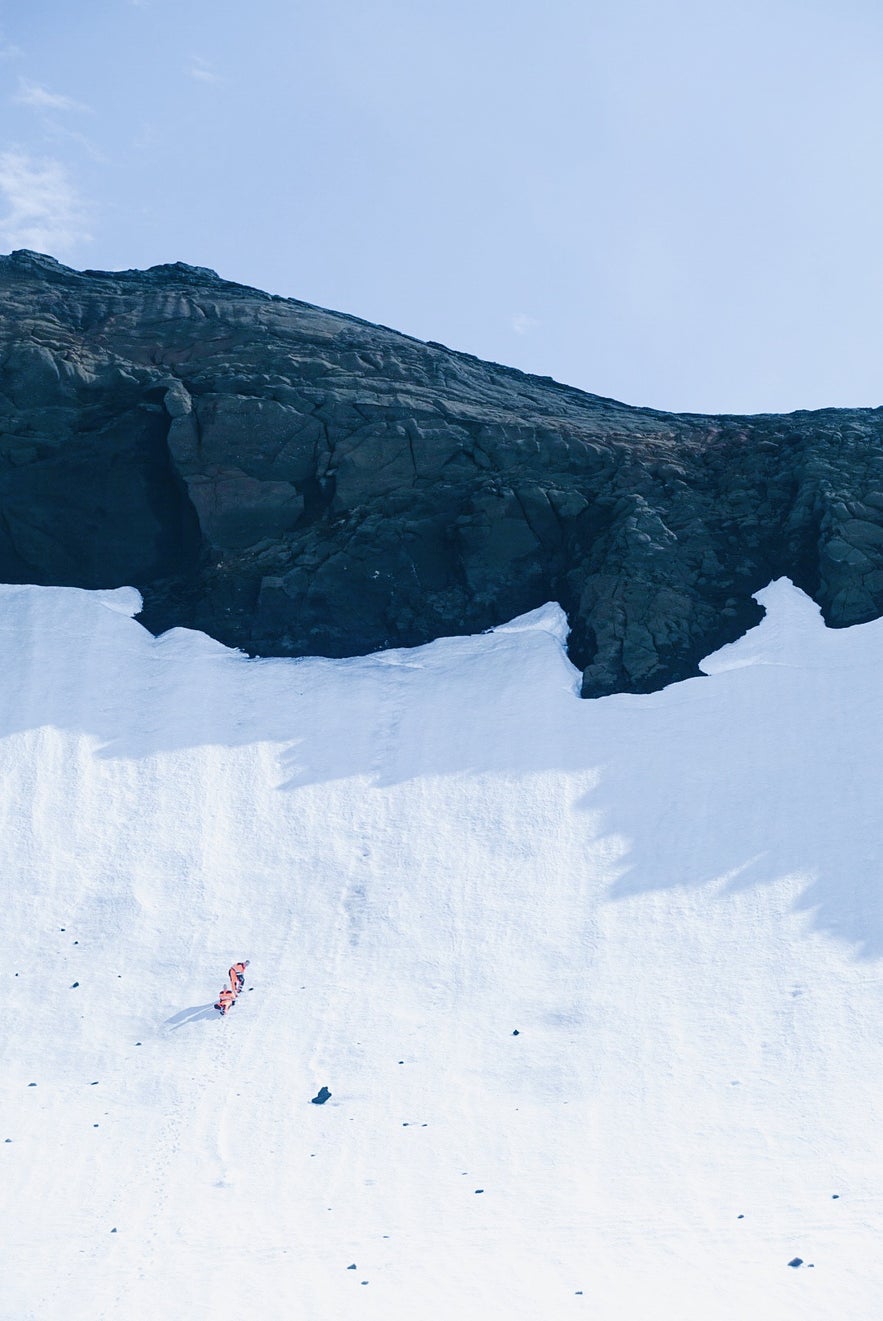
{"points": [[299, 482], [321, 1097]]}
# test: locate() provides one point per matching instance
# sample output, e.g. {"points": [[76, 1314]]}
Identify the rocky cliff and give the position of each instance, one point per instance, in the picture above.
{"points": [[298, 482]]}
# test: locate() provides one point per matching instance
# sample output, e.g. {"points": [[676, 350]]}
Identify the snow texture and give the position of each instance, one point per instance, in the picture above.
{"points": [[595, 986]]}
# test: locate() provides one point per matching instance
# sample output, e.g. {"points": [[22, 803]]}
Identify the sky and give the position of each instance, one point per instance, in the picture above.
{"points": [[671, 202]]}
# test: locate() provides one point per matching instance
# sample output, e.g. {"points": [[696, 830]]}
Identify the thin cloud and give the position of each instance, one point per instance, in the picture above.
{"points": [[39, 206], [60, 133], [40, 98], [8, 49], [523, 324], [202, 71]]}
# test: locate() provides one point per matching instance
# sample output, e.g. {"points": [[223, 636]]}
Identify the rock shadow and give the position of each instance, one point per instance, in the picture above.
{"points": [[794, 705]]}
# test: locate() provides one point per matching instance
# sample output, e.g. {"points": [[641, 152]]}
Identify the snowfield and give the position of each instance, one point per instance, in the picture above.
{"points": [[596, 986]]}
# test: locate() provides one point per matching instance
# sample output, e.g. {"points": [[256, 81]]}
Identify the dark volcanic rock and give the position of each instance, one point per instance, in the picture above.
{"points": [[297, 482]]}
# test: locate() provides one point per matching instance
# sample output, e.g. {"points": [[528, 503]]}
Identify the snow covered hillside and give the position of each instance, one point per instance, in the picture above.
{"points": [[596, 986]]}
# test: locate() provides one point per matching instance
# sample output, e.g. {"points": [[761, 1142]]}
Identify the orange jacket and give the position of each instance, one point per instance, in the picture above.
{"points": [[237, 976], [225, 999]]}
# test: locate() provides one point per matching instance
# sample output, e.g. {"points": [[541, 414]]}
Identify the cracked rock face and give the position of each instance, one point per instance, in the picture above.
{"points": [[298, 482]]}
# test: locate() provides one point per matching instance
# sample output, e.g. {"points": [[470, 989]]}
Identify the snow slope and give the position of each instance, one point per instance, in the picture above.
{"points": [[673, 900]]}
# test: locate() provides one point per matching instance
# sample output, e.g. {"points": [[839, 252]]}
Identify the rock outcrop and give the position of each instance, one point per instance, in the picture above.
{"points": [[299, 482]]}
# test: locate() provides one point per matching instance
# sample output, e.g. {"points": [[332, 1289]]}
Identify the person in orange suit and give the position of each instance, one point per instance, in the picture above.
{"points": [[237, 976], [226, 1000]]}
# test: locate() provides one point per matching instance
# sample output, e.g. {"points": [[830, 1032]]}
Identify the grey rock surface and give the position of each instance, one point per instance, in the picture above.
{"points": [[298, 482]]}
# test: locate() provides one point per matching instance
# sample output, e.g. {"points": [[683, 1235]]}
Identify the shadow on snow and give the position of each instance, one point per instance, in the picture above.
{"points": [[675, 774], [195, 1014]]}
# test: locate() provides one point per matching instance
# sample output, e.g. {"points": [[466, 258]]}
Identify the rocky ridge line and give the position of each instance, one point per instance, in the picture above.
{"points": [[298, 482]]}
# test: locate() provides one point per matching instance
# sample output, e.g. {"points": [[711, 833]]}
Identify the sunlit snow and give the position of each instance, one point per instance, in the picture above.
{"points": [[595, 986]]}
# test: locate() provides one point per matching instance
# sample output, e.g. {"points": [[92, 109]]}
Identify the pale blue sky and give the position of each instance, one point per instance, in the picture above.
{"points": [[674, 203]]}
